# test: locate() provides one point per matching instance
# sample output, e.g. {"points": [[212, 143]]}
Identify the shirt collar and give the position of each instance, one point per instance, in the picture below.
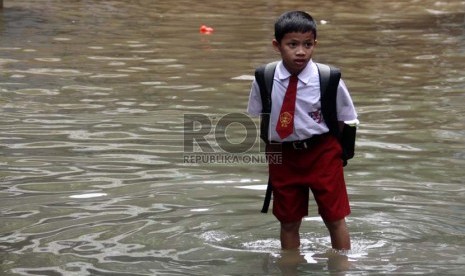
{"points": [[304, 76]]}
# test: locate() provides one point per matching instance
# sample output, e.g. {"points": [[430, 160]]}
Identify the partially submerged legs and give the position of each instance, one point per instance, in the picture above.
{"points": [[338, 231]]}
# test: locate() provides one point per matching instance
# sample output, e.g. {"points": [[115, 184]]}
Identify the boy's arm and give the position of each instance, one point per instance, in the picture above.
{"points": [[345, 107]]}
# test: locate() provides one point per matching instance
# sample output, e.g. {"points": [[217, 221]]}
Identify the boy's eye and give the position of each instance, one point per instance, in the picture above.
{"points": [[308, 44], [292, 44]]}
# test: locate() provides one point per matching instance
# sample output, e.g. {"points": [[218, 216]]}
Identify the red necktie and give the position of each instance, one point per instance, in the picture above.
{"points": [[285, 125]]}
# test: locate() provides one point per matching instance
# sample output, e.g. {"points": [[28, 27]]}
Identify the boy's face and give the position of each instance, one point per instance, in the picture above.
{"points": [[296, 50]]}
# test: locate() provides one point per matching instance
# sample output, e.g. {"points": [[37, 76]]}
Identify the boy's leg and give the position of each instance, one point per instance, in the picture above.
{"points": [[330, 192], [290, 238], [340, 238]]}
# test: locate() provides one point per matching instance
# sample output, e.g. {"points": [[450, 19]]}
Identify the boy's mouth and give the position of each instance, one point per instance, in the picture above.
{"points": [[300, 61]]}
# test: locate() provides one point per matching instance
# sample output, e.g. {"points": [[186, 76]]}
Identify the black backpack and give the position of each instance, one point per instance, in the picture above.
{"points": [[329, 81]]}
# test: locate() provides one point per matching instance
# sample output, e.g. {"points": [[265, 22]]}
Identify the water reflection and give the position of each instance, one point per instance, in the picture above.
{"points": [[92, 177]]}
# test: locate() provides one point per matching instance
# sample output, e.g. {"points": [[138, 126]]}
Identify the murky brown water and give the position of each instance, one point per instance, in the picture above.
{"points": [[93, 180]]}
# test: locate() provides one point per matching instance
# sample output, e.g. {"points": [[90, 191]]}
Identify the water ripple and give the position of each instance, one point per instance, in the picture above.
{"points": [[53, 72]]}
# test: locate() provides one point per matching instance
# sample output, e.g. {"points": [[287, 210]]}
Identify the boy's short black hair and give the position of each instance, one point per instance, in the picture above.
{"points": [[294, 21]]}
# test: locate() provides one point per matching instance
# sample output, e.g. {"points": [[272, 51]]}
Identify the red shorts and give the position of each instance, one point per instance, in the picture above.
{"points": [[317, 168]]}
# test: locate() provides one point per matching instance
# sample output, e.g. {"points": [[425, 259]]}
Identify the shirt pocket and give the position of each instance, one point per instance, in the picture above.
{"points": [[315, 113]]}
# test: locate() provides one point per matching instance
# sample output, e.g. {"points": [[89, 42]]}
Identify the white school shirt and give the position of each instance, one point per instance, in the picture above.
{"points": [[308, 119]]}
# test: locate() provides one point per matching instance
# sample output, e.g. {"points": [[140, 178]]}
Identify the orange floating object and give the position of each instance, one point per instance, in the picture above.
{"points": [[204, 29]]}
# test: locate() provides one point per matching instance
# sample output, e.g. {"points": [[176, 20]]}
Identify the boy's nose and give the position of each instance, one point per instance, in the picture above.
{"points": [[300, 51]]}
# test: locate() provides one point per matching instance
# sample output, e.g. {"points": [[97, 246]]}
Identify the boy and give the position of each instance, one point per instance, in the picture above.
{"points": [[311, 157]]}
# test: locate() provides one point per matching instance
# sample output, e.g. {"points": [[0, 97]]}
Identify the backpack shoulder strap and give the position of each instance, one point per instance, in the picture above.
{"points": [[324, 72], [329, 81], [264, 76], [270, 68]]}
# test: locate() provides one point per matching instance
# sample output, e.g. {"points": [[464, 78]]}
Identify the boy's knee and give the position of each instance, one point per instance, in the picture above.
{"points": [[336, 225], [290, 226]]}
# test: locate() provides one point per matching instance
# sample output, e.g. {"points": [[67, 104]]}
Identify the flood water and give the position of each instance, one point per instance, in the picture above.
{"points": [[93, 178]]}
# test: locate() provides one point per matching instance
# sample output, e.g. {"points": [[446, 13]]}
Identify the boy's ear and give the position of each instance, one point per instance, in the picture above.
{"points": [[276, 45]]}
